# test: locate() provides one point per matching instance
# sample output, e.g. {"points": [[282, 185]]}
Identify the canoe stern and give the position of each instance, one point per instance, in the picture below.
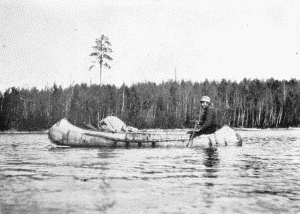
{"points": [[65, 134], [58, 135]]}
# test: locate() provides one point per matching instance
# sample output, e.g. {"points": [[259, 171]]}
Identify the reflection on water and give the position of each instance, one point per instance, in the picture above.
{"points": [[260, 177], [211, 161]]}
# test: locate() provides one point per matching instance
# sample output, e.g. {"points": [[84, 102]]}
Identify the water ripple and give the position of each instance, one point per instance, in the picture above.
{"points": [[260, 177]]}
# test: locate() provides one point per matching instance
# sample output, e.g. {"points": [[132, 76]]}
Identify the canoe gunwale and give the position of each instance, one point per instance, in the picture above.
{"points": [[118, 139]]}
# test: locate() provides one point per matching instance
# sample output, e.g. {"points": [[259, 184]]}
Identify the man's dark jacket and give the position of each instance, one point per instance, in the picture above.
{"points": [[208, 122]]}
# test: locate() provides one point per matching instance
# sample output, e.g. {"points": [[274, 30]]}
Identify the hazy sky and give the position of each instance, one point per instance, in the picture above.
{"points": [[43, 42]]}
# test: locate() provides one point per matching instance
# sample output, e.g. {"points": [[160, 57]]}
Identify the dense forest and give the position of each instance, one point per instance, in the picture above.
{"points": [[248, 103]]}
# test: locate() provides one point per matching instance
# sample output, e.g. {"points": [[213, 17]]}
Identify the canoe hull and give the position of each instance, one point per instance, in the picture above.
{"points": [[64, 133]]}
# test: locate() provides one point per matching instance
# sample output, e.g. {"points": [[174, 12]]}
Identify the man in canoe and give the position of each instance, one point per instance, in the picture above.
{"points": [[207, 123]]}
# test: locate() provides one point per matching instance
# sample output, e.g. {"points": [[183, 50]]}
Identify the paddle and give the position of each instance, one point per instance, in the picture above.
{"points": [[192, 136], [194, 130]]}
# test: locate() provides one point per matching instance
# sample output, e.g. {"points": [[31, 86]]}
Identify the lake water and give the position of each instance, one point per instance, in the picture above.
{"points": [[262, 176]]}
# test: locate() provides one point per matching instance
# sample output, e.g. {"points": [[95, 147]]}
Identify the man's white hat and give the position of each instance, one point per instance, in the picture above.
{"points": [[205, 99]]}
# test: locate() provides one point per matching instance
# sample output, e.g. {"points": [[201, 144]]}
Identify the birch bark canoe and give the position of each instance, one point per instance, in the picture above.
{"points": [[63, 133]]}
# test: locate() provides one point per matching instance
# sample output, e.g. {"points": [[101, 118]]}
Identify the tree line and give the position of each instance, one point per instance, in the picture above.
{"points": [[172, 104]]}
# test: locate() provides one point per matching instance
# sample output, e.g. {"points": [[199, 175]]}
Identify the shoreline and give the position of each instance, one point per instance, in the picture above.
{"points": [[23, 132], [160, 130], [267, 129]]}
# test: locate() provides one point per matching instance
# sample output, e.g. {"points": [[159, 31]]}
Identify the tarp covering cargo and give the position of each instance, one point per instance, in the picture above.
{"points": [[114, 124]]}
